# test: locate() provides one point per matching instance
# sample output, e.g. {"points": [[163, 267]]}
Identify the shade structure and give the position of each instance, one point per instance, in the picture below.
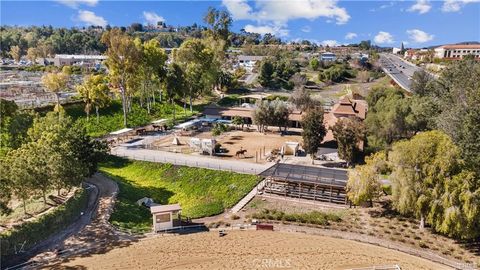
{"points": [[307, 182]]}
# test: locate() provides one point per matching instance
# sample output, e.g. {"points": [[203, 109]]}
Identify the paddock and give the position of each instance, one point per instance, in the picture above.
{"points": [[306, 182], [256, 144]]}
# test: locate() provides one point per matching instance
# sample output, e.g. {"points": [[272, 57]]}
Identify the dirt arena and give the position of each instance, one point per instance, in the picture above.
{"points": [[254, 142], [249, 250]]}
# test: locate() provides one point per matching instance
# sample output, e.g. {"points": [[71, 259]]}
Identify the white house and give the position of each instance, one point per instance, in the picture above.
{"points": [[248, 62], [165, 217], [328, 57]]}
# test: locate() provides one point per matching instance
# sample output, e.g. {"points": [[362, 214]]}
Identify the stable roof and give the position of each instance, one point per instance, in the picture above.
{"points": [[165, 208], [307, 174]]}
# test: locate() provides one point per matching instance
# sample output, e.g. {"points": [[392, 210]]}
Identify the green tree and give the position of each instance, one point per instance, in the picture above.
{"points": [[314, 64], [456, 212], [197, 61], [420, 82], [95, 93], [5, 187], [313, 130], [218, 129], [238, 121], [16, 53], [386, 120], [152, 69], [219, 22], [280, 114], [266, 73], [262, 115], [420, 166], [457, 92], [55, 82], [301, 99], [32, 54], [20, 179], [174, 84], [349, 134], [364, 181], [123, 63]]}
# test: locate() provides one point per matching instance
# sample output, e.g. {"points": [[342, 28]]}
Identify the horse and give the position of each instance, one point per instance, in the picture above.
{"points": [[241, 152]]}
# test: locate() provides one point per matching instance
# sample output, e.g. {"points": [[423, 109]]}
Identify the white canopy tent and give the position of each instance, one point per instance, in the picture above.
{"points": [[121, 131], [160, 121]]}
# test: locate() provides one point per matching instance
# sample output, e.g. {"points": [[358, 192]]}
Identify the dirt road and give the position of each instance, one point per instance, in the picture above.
{"points": [[94, 234]]}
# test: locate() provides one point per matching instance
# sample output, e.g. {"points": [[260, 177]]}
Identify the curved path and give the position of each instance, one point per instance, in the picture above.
{"points": [[92, 232]]}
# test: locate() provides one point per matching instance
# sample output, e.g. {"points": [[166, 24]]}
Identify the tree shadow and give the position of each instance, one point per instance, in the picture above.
{"points": [[112, 161]]}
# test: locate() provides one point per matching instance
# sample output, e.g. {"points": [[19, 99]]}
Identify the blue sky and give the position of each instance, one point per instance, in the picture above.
{"points": [[387, 23]]}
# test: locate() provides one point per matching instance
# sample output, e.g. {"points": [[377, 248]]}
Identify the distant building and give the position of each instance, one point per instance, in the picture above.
{"points": [[78, 60], [248, 61], [343, 109], [457, 51], [328, 57], [396, 50]]}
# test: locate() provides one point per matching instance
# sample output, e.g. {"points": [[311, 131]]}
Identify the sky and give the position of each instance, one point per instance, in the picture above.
{"points": [[418, 23]]}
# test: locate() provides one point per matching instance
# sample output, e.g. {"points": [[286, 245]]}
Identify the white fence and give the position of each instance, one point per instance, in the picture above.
{"points": [[200, 163]]}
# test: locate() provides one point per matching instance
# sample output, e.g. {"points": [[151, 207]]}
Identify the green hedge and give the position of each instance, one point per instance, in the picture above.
{"points": [[40, 229], [314, 217]]}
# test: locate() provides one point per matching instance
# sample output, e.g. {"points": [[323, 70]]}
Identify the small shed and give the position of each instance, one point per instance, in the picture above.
{"points": [[291, 148], [165, 217]]}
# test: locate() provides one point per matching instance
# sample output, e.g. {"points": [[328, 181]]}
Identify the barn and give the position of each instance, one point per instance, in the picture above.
{"points": [[306, 182]]}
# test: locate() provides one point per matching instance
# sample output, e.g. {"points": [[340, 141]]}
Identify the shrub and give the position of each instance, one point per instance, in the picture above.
{"points": [[48, 224], [423, 245]]}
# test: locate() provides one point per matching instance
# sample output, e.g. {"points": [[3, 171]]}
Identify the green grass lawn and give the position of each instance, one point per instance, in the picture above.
{"points": [[200, 192], [111, 117]]}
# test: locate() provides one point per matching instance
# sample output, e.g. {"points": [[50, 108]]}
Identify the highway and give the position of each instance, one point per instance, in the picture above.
{"points": [[399, 70]]}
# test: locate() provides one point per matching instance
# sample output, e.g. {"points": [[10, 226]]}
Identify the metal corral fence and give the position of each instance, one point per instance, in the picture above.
{"points": [[200, 163]]}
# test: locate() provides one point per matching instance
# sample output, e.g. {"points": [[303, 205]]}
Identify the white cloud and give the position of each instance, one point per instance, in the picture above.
{"points": [[152, 17], [456, 5], [266, 29], [350, 36], [419, 36], [387, 5], [383, 38], [421, 6], [306, 29], [77, 3], [331, 43], [91, 18], [280, 12]]}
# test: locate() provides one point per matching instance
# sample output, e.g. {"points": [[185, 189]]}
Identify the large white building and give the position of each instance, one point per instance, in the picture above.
{"points": [[457, 51], [78, 59]]}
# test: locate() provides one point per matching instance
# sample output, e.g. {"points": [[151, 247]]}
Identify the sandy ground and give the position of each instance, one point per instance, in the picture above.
{"points": [[254, 142], [249, 250]]}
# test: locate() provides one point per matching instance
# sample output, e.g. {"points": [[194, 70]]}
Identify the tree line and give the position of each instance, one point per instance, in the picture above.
{"points": [[428, 143], [43, 154]]}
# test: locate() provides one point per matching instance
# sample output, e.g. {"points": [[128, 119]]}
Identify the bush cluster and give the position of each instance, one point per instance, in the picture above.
{"points": [[314, 217]]}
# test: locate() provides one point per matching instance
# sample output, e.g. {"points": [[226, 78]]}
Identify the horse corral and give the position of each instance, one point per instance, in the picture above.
{"points": [[250, 146]]}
